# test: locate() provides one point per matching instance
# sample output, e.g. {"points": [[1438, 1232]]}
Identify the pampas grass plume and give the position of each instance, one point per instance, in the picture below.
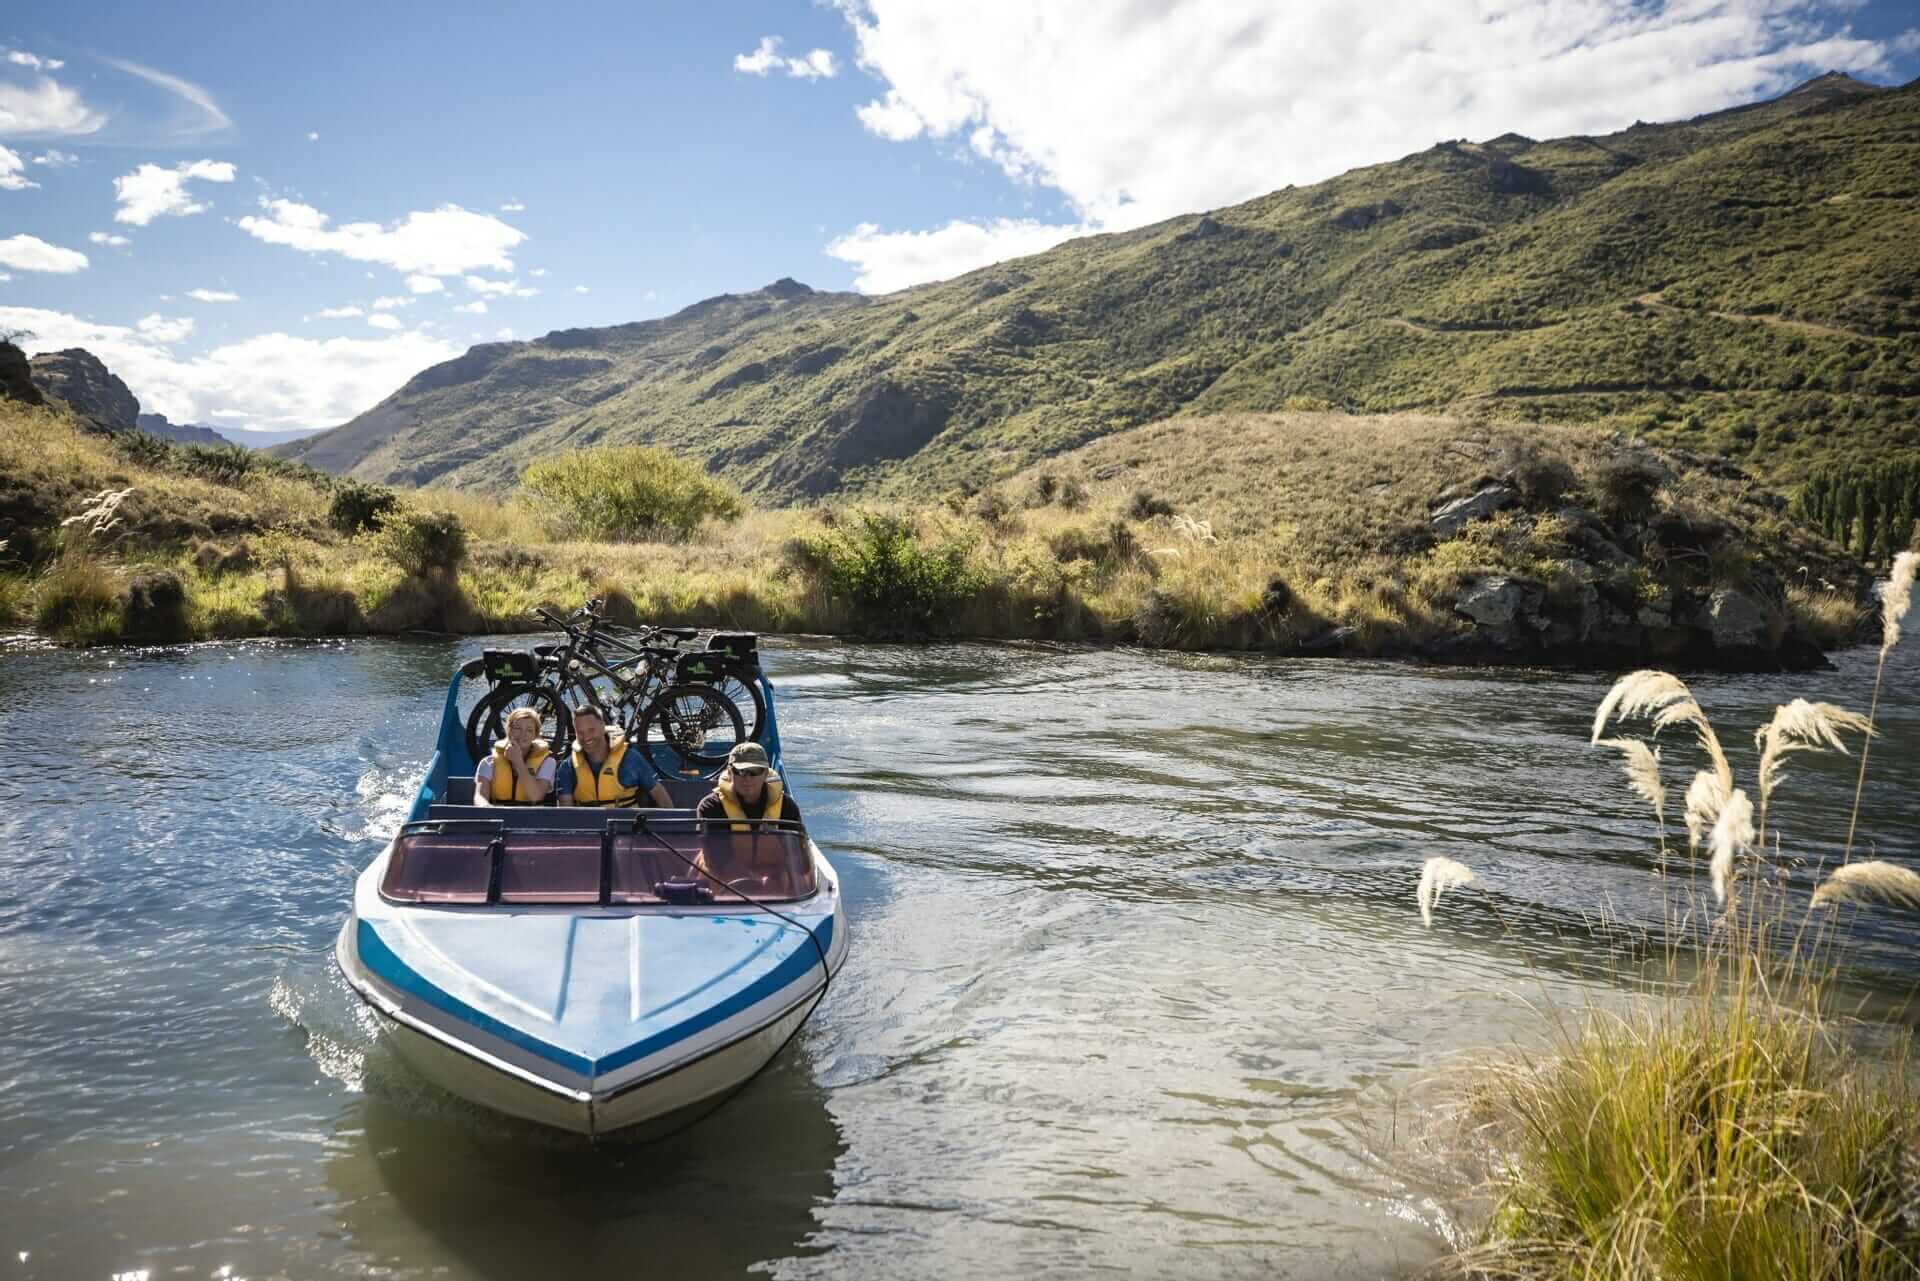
{"points": [[1642, 766], [1668, 701], [1733, 835], [1706, 796], [1897, 597], [1436, 878], [1868, 881], [1801, 726]]}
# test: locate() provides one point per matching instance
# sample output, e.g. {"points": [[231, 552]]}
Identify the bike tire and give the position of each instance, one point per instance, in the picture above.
{"points": [[689, 730], [741, 686]]}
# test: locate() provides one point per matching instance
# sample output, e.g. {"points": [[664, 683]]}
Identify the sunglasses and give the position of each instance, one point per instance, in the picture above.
{"points": [[749, 771]]}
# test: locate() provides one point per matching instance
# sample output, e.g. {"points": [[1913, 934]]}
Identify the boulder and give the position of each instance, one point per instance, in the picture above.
{"points": [[1449, 520], [1497, 604], [88, 387], [16, 377], [1738, 621]]}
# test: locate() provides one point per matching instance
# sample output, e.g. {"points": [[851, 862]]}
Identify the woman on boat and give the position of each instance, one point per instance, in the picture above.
{"points": [[602, 771], [521, 769]]}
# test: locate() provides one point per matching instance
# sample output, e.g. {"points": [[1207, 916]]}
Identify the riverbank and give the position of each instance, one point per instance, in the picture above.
{"points": [[1291, 533]]}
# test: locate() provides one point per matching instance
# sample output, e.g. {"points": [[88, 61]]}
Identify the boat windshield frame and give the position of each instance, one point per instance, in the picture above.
{"points": [[632, 859]]}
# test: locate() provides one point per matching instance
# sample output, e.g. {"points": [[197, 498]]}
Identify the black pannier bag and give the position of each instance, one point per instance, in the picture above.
{"points": [[744, 646], [509, 666]]}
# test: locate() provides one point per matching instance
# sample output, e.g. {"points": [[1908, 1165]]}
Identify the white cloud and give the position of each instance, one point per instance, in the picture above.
{"points": [[45, 108], [151, 192], [339, 313], [54, 158], [889, 260], [513, 206], [30, 253], [816, 64], [1906, 42], [500, 288], [4, 277], [202, 115], [1138, 112], [164, 329], [425, 284], [381, 320], [475, 308], [13, 172], [504, 335], [271, 379], [313, 135], [109, 238], [393, 302], [538, 272], [213, 295], [580, 289], [445, 242]]}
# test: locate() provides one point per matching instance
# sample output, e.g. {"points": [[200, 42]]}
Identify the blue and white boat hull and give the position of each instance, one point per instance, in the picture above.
{"points": [[592, 1019]]}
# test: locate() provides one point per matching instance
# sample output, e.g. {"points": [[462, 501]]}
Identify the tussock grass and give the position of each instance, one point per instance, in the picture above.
{"points": [[1728, 1128]]}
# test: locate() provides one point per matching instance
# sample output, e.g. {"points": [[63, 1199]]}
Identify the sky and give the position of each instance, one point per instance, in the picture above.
{"points": [[270, 216]]}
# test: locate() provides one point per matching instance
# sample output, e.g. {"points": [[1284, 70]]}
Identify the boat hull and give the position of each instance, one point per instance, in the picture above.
{"points": [[641, 1095]]}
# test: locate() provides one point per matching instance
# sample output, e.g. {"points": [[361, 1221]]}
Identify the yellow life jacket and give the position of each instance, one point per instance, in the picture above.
{"points": [[603, 788], [506, 788], [766, 849], [737, 812]]}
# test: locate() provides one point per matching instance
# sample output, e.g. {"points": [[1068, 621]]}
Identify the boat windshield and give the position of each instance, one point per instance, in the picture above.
{"points": [[476, 863]]}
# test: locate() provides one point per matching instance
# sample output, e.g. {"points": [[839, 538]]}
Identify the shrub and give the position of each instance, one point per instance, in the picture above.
{"points": [[993, 507], [1145, 504], [893, 584], [1627, 489], [143, 449], [1073, 494], [1542, 478], [630, 492], [156, 607], [357, 505], [422, 543], [221, 464]]}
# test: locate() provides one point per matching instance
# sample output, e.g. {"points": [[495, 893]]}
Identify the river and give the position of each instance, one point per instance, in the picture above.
{"points": [[1138, 983]]}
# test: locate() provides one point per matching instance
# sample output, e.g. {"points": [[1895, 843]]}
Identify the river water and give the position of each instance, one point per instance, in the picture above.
{"points": [[1138, 983]]}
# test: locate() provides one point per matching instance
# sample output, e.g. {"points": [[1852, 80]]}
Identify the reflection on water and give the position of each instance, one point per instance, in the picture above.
{"points": [[1137, 980]]}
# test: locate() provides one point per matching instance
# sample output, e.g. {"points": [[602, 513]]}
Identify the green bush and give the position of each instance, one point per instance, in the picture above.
{"points": [[357, 505], [221, 464], [893, 585], [422, 543], [143, 449], [156, 607], [1145, 504], [629, 492]]}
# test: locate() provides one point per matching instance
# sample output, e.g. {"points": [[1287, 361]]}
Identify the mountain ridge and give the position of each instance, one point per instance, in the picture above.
{"points": [[1732, 281]]}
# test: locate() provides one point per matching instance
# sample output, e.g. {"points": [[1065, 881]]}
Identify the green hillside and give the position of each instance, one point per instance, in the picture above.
{"points": [[1742, 283]]}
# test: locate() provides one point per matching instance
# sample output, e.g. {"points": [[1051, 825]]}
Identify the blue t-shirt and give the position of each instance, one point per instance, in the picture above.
{"points": [[634, 773]]}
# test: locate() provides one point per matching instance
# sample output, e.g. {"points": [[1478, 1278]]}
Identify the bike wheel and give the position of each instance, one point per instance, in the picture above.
{"points": [[689, 730], [741, 687], [487, 723]]}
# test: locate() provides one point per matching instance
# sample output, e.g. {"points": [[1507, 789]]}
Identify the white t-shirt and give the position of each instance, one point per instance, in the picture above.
{"points": [[483, 774]]}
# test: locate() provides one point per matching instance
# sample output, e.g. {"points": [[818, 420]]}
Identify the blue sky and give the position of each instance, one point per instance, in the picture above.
{"points": [[271, 215]]}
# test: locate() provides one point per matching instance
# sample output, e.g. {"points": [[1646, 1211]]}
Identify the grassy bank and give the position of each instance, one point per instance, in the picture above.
{"points": [[1730, 1127], [1275, 532]]}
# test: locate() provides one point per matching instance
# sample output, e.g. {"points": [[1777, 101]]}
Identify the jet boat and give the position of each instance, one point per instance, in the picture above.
{"points": [[575, 967]]}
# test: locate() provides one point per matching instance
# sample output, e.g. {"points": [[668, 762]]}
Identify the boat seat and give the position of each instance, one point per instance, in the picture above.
{"points": [[686, 792]]}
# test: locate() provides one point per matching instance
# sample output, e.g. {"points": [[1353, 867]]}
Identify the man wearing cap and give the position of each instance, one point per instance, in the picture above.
{"points": [[748, 789], [733, 853]]}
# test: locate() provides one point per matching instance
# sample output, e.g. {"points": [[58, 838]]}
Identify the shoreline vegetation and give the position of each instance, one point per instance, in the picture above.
{"points": [[1729, 1127], [1279, 533]]}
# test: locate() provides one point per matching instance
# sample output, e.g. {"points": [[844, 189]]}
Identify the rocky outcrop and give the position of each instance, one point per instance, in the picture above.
{"points": [[77, 378], [1449, 519], [16, 377]]}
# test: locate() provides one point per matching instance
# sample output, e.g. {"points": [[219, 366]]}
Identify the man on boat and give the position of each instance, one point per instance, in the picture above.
{"points": [[602, 771], [748, 790], [521, 770]]}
